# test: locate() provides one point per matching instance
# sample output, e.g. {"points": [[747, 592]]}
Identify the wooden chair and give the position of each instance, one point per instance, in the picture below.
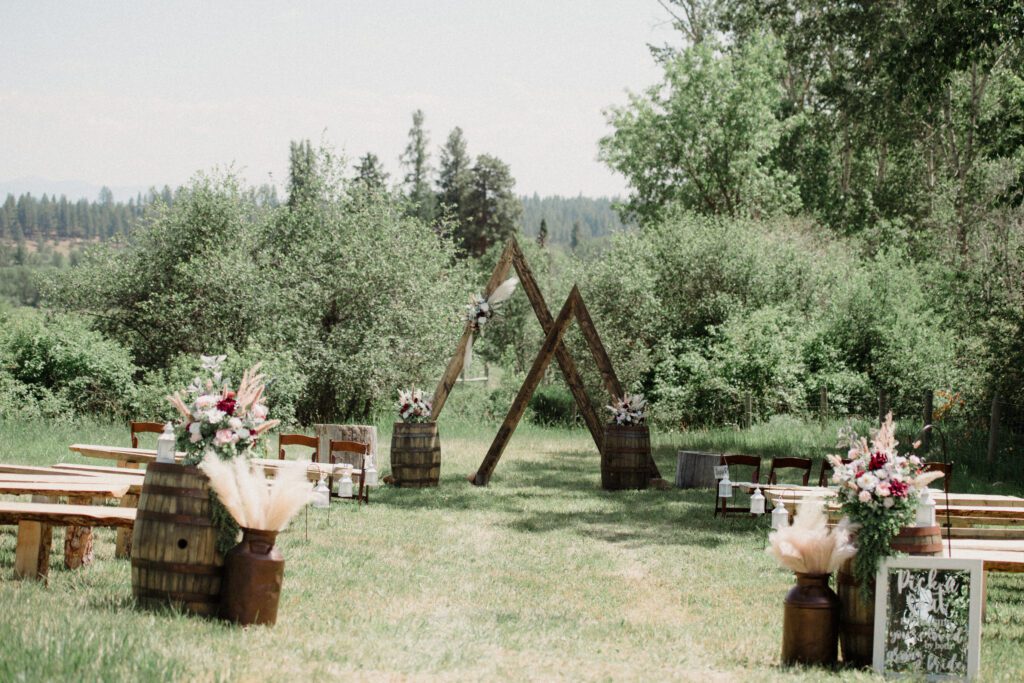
{"points": [[826, 471], [298, 440], [752, 461], [352, 448], [945, 468], [800, 464], [144, 428]]}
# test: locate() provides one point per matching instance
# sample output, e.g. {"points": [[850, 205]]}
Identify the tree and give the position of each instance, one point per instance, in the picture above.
{"points": [[416, 161], [302, 174], [542, 234], [705, 136], [455, 178], [574, 239], [370, 173], [493, 210]]}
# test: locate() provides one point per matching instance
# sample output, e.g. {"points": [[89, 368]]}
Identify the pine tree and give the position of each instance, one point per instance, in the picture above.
{"points": [[574, 240], [416, 161], [302, 174], [492, 209], [455, 180], [370, 173], [542, 234]]}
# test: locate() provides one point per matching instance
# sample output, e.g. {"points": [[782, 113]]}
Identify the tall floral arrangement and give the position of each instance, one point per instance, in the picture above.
{"points": [[224, 423], [631, 409], [878, 493], [218, 419], [413, 407]]}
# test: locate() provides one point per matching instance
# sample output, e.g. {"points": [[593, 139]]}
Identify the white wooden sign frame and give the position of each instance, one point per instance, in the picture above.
{"points": [[975, 567]]}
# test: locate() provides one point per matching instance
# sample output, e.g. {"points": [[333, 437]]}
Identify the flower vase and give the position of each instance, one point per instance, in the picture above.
{"points": [[253, 574], [810, 625]]}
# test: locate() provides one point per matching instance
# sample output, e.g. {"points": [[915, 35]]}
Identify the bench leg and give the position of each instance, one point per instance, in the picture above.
{"points": [[32, 555], [78, 540], [123, 547]]}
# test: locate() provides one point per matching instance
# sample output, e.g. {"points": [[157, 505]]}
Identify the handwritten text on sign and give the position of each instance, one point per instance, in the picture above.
{"points": [[924, 621]]}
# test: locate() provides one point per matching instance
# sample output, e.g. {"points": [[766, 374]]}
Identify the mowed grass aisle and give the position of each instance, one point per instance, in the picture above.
{"points": [[539, 576]]}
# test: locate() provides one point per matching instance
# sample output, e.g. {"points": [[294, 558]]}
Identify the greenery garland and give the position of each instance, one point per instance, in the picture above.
{"points": [[878, 526]]}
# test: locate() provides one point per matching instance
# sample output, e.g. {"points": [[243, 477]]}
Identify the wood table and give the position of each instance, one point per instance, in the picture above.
{"points": [[133, 457]]}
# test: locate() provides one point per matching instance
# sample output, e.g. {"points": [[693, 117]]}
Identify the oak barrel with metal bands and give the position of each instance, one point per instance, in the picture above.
{"points": [[624, 458], [857, 616], [174, 553], [415, 455]]}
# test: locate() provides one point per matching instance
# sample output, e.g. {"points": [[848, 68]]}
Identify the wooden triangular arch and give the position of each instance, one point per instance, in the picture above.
{"points": [[554, 329]]}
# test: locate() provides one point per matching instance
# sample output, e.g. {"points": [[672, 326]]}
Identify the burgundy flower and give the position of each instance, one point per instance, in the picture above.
{"points": [[227, 404], [898, 489], [878, 461]]}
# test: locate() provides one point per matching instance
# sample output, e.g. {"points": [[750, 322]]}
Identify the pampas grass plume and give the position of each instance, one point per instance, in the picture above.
{"points": [[809, 546], [254, 501]]}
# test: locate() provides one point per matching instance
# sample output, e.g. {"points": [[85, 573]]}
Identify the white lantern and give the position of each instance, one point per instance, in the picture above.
{"points": [[757, 502], [345, 485], [369, 471], [725, 487], [165, 445], [926, 509], [780, 516], [321, 494]]}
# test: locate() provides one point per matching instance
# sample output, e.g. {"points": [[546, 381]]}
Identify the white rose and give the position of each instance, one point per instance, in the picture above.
{"points": [[235, 423]]}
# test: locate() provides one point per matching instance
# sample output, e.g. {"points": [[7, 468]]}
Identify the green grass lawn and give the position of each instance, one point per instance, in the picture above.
{"points": [[539, 576]]}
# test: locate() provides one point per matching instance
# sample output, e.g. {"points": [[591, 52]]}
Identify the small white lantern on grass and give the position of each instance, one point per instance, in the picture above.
{"points": [[724, 485], [321, 494], [780, 516], [369, 470], [345, 485], [165, 445], [926, 508], [757, 502]]}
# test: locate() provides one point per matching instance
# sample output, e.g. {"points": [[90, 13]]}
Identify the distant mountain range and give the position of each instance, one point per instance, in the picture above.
{"points": [[73, 189]]}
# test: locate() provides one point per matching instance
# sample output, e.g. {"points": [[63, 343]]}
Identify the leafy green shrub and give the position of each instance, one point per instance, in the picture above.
{"points": [[553, 405], [62, 366]]}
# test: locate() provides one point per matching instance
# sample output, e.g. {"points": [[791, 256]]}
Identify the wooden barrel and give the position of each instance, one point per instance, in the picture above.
{"points": [[415, 454], [174, 552], [624, 457], [857, 616]]}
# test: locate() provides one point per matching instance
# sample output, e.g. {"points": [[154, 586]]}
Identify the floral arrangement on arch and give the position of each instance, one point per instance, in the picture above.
{"points": [[217, 419], [481, 309], [631, 409], [878, 493], [413, 407]]}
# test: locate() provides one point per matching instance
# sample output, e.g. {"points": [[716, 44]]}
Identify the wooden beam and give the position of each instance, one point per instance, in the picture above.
{"points": [[454, 369], [66, 515], [562, 355], [518, 407]]}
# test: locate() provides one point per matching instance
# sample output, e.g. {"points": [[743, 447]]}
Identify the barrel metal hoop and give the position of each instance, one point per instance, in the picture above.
{"points": [[179, 491], [193, 520], [178, 567], [176, 596]]}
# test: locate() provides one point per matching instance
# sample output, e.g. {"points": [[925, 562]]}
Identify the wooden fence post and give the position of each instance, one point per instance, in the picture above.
{"points": [[883, 405], [748, 410], [823, 403], [993, 431], [926, 415]]}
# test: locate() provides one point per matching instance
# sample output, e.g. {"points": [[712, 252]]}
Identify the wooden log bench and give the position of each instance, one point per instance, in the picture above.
{"points": [[35, 522], [78, 540]]}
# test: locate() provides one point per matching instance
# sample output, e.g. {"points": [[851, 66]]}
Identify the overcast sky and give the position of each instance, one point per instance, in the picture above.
{"points": [[140, 93]]}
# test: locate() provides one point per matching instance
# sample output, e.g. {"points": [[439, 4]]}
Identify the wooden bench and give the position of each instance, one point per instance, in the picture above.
{"points": [[78, 540], [35, 523]]}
